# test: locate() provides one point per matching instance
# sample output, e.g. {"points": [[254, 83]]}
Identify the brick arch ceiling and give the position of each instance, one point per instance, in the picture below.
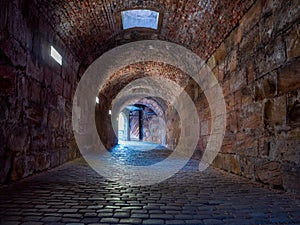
{"points": [[91, 27], [118, 80]]}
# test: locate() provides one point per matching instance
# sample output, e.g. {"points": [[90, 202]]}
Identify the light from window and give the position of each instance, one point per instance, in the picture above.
{"points": [[140, 18], [56, 56]]}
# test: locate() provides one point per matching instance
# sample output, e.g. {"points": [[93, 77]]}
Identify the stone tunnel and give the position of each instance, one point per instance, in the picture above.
{"points": [[139, 145]]}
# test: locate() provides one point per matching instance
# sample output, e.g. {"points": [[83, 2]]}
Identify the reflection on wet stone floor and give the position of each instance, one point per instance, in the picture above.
{"points": [[75, 194], [140, 154]]}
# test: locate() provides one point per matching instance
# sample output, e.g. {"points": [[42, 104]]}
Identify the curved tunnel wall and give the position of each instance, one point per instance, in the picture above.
{"points": [[35, 96], [257, 65]]}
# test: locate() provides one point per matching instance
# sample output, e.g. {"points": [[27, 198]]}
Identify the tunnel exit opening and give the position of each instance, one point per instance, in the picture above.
{"points": [[140, 123]]}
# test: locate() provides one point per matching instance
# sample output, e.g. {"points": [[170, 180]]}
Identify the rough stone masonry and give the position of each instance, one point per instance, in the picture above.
{"points": [[252, 47]]}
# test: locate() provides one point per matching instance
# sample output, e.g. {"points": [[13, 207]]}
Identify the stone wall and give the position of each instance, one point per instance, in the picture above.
{"points": [[104, 122], [258, 66], [35, 95], [154, 129]]}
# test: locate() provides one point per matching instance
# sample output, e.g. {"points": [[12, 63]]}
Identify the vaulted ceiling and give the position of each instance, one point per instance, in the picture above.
{"points": [[91, 27]]}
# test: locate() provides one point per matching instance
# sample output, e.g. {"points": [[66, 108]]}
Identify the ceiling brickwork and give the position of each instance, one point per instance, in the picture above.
{"points": [[156, 70], [91, 27]]}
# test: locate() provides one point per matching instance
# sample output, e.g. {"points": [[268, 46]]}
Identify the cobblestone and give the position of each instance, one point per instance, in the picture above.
{"points": [[189, 197]]}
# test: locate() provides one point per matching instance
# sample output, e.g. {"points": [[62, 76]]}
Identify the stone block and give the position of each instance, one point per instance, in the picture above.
{"points": [[3, 15], [61, 104], [233, 61], [238, 81], [57, 84], [267, 28], [266, 87], [271, 57], [5, 167], [18, 28], [220, 54], [243, 98], [33, 69], [3, 140], [277, 147], [4, 109], [292, 151], [7, 80], [219, 161], [270, 6], [15, 110], [211, 62], [39, 140], [293, 108], [246, 144], [18, 169], [250, 116], [226, 88], [293, 43], [287, 14], [269, 172], [215, 72], [48, 74], [68, 121], [14, 51], [229, 101], [30, 165], [63, 156], [35, 92], [60, 140], [66, 154], [227, 162], [18, 139], [274, 112], [249, 44], [247, 166], [272, 146], [247, 95], [264, 147], [289, 77], [24, 87], [252, 121], [230, 42], [234, 165], [228, 145], [250, 71], [54, 158], [67, 90], [33, 113], [291, 177], [232, 123], [239, 35], [54, 118], [251, 18], [42, 161], [45, 117], [221, 72]]}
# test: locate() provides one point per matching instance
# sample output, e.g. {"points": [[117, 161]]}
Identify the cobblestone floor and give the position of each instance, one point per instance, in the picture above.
{"points": [[75, 194]]}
